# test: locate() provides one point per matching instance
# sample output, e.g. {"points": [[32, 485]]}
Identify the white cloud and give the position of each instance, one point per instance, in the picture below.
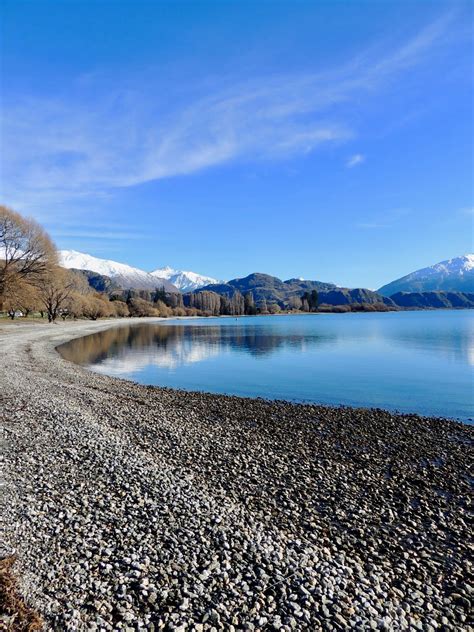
{"points": [[355, 160], [71, 151]]}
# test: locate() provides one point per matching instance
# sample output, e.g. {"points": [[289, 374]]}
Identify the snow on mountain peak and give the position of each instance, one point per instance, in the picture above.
{"points": [[184, 280], [456, 274], [165, 270], [457, 265], [468, 262], [122, 274], [129, 277]]}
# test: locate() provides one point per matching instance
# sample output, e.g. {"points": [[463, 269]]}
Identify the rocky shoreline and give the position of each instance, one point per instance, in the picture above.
{"points": [[140, 508]]}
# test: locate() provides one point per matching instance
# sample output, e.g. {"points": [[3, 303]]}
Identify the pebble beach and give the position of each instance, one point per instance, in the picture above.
{"points": [[135, 508]]}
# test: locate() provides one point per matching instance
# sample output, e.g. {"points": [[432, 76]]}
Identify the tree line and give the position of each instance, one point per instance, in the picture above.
{"points": [[32, 281], [203, 303]]}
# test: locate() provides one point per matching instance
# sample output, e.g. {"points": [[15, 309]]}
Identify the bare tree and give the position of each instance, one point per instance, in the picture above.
{"points": [[19, 297], [120, 308], [295, 302], [139, 307], [55, 288], [26, 251], [96, 306]]}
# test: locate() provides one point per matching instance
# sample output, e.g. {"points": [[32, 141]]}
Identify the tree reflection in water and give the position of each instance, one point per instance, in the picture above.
{"points": [[412, 361], [183, 343]]}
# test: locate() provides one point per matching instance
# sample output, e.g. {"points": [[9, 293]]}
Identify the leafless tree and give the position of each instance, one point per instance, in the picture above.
{"points": [[296, 303], [120, 308], [140, 307], [26, 251], [97, 306], [20, 297], [55, 289]]}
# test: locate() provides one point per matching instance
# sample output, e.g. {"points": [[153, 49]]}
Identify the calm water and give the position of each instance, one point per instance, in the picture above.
{"points": [[410, 361]]}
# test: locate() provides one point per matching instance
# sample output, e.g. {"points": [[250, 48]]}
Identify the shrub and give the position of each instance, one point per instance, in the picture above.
{"points": [[120, 308], [141, 308]]}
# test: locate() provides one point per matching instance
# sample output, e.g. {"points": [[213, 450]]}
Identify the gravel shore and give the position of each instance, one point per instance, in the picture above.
{"points": [[140, 508]]}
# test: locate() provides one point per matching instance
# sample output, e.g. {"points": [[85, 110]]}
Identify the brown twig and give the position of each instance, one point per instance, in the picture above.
{"points": [[15, 614]]}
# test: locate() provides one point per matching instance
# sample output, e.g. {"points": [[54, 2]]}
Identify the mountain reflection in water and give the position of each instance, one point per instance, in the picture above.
{"points": [[171, 345], [409, 361]]}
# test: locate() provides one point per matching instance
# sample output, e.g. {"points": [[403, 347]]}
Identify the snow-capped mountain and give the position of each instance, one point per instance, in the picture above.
{"points": [[184, 280], [456, 275], [123, 275]]}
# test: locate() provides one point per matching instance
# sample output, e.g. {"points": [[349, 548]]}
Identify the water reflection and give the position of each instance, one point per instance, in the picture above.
{"points": [[173, 345], [170, 345], [412, 361]]}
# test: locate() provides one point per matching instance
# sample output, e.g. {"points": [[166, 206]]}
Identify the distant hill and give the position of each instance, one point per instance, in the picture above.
{"points": [[455, 275], [265, 287], [98, 282], [434, 300], [346, 296]]}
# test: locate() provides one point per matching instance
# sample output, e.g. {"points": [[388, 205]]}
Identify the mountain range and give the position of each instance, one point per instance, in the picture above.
{"points": [[273, 290], [125, 277], [446, 284], [267, 287], [452, 275]]}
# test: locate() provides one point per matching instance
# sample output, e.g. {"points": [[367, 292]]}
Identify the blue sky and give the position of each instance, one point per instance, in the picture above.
{"points": [[329, 140]]}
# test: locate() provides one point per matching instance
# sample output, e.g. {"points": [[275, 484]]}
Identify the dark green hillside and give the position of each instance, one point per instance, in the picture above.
{"points": [[272, 290], [307, 286], [265, 287], [98, 282], [346, 296], [434, 300]]}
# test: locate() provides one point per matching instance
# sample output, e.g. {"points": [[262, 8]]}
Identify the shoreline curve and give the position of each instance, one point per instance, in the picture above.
{"points": [[145, 508]]}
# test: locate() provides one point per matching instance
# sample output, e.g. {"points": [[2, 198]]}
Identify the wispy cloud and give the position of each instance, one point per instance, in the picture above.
{"points": [[77, 149], [102, 235], [355, 160], [384, 219]]}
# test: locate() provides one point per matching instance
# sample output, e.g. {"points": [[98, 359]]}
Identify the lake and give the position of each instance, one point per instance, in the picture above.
{"points": [[408, 361]]}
